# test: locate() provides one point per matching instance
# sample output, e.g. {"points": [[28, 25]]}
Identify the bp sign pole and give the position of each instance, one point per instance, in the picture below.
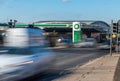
{"points": [[76, 32]]}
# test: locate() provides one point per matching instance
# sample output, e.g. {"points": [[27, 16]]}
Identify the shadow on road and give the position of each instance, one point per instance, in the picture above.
{"points": [[50, 74], [66, 63]]}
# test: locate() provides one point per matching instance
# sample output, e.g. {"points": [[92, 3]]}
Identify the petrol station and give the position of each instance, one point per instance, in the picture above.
{"points": [[74, 30]]}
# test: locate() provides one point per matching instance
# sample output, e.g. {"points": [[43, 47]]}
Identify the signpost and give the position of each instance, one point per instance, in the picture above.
{"points": [[76, 32]]}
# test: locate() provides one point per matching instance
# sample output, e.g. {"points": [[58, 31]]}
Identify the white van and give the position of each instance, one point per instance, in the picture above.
{"points": [[24, 37]]}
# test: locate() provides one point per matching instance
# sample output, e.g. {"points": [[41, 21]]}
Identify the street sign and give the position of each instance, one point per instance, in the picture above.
{"points": [[77, 33]]}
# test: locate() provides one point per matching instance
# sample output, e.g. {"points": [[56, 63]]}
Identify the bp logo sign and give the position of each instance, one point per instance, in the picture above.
{"points": [[76, 26], [76, 33]]}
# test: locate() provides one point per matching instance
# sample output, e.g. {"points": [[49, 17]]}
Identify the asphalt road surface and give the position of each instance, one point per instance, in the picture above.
{"points": [[67, 60]]}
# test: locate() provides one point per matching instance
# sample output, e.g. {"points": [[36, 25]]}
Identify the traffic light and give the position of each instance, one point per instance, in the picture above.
{"points": [[115, 28], [118, 24]]}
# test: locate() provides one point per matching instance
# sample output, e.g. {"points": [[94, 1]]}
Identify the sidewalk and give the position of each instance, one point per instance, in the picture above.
{"points": [[100, 69]]}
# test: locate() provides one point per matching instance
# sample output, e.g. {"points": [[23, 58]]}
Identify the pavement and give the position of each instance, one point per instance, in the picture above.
{"points": [[101, 69], [117, 72]]}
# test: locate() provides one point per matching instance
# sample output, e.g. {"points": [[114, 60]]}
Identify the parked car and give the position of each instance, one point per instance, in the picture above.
{"points": [[89, 42], [26, 54]]}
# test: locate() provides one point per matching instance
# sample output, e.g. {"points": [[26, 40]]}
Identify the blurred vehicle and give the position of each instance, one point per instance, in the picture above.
{"points": [[106, 45], [89, 42], [66, 42], [26, 54]]}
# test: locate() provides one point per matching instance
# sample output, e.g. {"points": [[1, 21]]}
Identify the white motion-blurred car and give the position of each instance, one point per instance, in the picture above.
{"points": [[26, 54], [89, 42], [106, 45]]}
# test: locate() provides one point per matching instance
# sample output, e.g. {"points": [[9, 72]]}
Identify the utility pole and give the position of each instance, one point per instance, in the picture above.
{"points": [[111, 31]]}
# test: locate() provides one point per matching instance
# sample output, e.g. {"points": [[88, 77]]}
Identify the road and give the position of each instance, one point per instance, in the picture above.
{"points": [[67, 60]]}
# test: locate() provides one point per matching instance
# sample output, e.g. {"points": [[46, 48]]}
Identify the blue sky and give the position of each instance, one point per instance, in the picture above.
{"points": [[28, 11]]}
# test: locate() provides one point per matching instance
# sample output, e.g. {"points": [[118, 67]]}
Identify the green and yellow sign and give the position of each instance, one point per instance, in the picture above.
{"points": [[76, 26], [77, 33]]}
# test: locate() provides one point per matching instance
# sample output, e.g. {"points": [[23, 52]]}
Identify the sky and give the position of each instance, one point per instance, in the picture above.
{"points": [[28, 11]]}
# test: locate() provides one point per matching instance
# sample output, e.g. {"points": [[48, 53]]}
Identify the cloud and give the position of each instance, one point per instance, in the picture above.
{"points": [[66, 1]]}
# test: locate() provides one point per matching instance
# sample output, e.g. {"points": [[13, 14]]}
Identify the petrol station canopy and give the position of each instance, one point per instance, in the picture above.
{"points": [[64, 26]]}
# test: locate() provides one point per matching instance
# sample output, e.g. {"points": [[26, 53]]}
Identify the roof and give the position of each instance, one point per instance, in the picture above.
{"points": [[70, 29], [88, 24]]}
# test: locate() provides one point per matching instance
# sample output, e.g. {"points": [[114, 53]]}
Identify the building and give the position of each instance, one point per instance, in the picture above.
{"points": [[96, 29]]}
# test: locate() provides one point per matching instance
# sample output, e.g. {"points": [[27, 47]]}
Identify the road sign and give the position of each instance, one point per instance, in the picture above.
{"points": [[77, 33]]}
